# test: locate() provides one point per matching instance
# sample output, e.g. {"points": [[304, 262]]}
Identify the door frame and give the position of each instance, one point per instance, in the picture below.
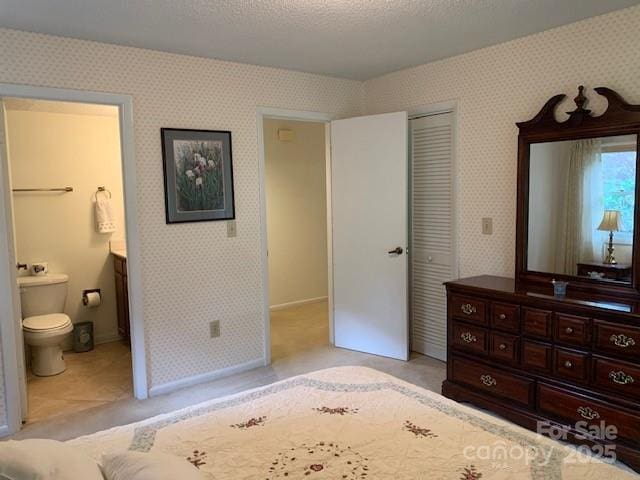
{"points": [[8, 329], [263, 113]]}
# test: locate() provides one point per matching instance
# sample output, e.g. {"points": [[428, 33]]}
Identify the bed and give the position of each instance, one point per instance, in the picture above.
{"points": [[349, 423]]}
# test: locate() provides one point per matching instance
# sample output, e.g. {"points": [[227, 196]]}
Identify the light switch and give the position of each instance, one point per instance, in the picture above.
{"points": [[231, 228], [487, 226], [214, 328]]}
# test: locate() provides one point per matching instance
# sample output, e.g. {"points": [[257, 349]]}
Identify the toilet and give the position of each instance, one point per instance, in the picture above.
{"points": [[44, 324]]}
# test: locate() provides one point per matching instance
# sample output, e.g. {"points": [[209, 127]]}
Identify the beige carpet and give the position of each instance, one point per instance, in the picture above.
{"points": [[296, 350]]}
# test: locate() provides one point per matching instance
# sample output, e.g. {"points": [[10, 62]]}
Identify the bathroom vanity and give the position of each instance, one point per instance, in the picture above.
{"points": [[122, 293]]}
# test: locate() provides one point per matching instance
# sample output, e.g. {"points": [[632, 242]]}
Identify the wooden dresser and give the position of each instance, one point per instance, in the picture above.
{"points": [[532, 357]]}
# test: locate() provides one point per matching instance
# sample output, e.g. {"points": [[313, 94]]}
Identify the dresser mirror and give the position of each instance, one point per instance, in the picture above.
{"points": [[577, 196], [581, 207]]}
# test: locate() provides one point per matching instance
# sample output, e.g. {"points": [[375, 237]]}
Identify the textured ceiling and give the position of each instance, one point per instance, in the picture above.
{"points": [[357, 39]]}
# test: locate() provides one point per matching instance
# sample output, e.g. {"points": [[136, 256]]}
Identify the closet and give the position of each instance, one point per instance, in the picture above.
{"points": [[432, 252]]}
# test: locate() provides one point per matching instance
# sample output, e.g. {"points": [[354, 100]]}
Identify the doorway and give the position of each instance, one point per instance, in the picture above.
{"points": [[61, 184], [295, 167], [384, 210], [68, 216]]}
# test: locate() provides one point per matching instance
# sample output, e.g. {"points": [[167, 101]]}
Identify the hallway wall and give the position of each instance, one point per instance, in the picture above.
{"points": [[296, 211]]}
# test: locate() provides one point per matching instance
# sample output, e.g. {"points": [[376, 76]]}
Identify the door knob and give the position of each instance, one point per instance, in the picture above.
{"points": [[397, 251]]}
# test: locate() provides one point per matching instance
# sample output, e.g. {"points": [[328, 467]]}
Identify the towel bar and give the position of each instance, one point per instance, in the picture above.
{"points": [[61, 189]]}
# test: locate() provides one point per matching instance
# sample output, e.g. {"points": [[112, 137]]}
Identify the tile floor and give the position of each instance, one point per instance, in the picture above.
{"points": [[92, 379]]}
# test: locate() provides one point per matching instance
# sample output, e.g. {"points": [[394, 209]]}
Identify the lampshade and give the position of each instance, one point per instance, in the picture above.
{"points": [[610, 221]]}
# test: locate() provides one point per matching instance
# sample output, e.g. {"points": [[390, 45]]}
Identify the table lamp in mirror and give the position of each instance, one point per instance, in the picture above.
{"points": [[610, 223]]}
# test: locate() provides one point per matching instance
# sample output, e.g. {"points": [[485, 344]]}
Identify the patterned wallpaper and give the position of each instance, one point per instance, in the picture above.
{"points": [[192, 273], [498, 86]]}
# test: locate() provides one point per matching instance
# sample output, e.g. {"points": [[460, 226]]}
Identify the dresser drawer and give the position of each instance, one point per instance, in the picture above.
{"points": [[617, 338], [503, 347], [536, 322], [469, 337], [575, 408], [505, 316], [573, 330], [469, 309], [619, 377], [571, 365], [493, 381], [537, 356]]}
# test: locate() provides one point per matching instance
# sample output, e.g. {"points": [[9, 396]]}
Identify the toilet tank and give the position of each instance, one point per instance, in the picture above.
{"points": [[43, 294]]}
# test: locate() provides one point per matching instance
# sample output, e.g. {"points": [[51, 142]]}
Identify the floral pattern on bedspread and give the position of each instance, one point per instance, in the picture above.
{"points": [[337, 410], [349, 423]]}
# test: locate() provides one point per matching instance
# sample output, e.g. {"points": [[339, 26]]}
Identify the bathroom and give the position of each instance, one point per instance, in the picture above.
{"points": [[69, 237]]}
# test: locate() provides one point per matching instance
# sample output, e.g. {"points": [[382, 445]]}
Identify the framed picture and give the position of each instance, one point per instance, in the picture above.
{"points": [[198, 175]]}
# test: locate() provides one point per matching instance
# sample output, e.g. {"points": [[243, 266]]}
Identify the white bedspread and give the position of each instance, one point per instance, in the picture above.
{"points": [[349, 423]]}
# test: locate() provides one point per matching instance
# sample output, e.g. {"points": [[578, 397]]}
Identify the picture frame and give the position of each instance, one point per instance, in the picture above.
{"points": [[198, 175]]}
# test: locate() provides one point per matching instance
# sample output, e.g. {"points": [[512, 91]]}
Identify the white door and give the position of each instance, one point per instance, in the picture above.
{"points": [[8, 257], [369, 205], [432, 247]]}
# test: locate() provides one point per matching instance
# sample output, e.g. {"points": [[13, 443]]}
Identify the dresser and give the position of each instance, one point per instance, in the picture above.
{"points": [[533, 357]]}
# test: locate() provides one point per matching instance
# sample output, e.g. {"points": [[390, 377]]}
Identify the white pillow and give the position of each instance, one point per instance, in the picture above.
{"points": [[45, 460], [148, 466]]}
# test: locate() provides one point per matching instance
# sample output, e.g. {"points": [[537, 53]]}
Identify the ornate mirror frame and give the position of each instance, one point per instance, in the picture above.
{"points": [[620, 118]]}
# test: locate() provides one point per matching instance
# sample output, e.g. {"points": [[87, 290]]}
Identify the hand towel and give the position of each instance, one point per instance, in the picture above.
{"points": [[105, 219]]}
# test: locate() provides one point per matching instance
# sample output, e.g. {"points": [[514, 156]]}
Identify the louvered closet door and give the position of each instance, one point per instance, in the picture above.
{"points": [[432, 255]]}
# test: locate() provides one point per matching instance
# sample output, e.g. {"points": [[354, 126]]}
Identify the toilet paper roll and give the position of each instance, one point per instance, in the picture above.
{"points": [[92, 299], [40, 268]]}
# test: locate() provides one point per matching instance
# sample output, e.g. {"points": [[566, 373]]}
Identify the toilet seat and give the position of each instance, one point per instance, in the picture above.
{"points": [[46, 323]]}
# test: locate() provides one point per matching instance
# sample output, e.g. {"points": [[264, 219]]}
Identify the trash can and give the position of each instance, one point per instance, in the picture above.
{"points": [[83, 337]]}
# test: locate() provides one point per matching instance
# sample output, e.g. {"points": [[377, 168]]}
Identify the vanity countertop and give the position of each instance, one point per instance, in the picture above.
{"points": [[119, 252]]}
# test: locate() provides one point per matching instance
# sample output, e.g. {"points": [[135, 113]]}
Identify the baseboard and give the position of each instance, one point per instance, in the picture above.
{"points": [[297, 303], [114, 337], [433, 351], [204, 377]]}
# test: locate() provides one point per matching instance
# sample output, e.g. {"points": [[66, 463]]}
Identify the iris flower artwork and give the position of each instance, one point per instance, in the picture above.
{"points": [[198, 175]]}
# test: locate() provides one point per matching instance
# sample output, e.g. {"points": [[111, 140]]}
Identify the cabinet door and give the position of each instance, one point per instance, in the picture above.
{"points": [[120, 303]]}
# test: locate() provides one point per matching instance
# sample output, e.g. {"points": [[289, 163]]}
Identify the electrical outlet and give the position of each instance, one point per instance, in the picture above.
{"points": [[231, 228], [214, 328], [487, 226]]}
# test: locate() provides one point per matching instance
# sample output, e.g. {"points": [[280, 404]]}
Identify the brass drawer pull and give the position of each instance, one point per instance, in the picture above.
{"points": [[488, 380], [622, 341], [468, 309], [502, 316], [568, 364], [568, 330], [502, 346], [620, 377], [588, 413], [468, 337]]}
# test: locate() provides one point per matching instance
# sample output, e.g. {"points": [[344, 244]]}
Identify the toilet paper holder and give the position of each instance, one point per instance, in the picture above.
{"points": [[85, 299]]}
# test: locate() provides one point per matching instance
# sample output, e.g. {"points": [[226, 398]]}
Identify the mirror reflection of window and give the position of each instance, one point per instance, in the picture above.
{"points": [[571, 186]]}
